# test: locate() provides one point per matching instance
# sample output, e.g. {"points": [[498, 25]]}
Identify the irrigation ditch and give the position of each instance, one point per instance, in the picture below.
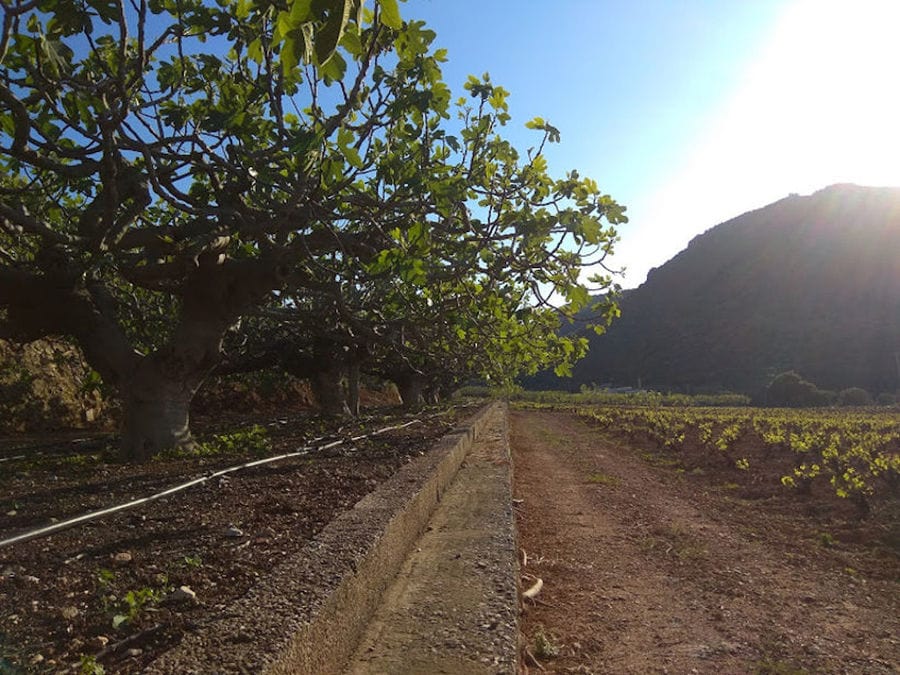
{"points": [[270, 565]]}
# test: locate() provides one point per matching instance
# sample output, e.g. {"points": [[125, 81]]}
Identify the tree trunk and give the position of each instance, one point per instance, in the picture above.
{"points": [[412, 389], [353, 387], [156, 418], [329, 392]]}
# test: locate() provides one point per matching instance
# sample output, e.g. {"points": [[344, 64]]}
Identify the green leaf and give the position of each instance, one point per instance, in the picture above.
{"points": [[329, 36], [390, 14]]}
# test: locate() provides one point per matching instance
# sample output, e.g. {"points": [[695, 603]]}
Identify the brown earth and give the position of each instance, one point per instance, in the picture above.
{"points": [[107, 592], [651, 568]]}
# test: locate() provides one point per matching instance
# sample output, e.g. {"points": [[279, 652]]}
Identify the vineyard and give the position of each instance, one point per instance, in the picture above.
{"points": [[852, 455]]}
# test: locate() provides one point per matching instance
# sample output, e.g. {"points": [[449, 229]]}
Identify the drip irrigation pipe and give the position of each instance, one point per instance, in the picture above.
{"points": [[305, 450]]}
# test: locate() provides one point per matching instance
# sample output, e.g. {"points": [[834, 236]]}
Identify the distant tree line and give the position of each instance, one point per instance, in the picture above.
{"points": [[790, 390]]}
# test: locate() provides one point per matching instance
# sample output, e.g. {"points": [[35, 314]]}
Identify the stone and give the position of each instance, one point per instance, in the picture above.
{"points": [[183, 594]]}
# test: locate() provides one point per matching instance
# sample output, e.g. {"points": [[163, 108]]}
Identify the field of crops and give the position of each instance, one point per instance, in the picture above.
{"points": [[856, 453]]}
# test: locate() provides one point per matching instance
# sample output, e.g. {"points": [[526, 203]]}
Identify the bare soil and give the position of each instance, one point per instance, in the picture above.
{"points": [[653, 563], [107, 592]]}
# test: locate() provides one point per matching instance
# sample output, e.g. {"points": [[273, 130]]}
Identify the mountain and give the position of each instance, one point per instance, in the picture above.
{"points": [[808, 283]]}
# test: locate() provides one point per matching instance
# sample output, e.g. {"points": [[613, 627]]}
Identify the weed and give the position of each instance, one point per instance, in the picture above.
{"points": [[192, 561], [105, 576], [544, 646], [826, 539], [601, 478], [78, 460], [135, 601], [776, 667], [252, 440], [89, 666]]}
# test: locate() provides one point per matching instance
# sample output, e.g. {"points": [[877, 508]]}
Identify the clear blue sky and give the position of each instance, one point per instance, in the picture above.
{"points": [[689, 112]]}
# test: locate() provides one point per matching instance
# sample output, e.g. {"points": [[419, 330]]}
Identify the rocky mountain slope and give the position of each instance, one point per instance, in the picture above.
{"points": [[809, 283]]}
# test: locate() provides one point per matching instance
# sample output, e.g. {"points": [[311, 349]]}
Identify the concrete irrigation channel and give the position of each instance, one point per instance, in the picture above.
{"points": [[419, 577]]}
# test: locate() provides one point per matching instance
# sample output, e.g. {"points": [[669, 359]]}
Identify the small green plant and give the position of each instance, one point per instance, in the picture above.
{"points": [[192, 561], [742, 464], [601, 478], [79, 459], [250, 441], [776, 667], [544, 646], [135, 601], [89, 666], [105, 576], [826, 539]]}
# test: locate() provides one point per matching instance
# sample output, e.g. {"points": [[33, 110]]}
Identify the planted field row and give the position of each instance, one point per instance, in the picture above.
{"points": [[856, 452]]}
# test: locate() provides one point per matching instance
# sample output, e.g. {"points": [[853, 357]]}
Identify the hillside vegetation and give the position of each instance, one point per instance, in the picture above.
{"points": [[808, 283]]}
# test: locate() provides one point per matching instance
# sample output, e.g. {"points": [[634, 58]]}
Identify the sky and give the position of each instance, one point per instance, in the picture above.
{"points": [[689, 112]]}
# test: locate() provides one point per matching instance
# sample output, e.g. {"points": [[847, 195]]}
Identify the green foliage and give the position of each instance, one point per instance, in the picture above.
{"points": [[601, 478], [855, 452], [133, 603], [88, 666], [251, 441], [792, 391], [854, 396], [886, 399], [544, 644], [192, 561], [826, 539], [591, 396], [293, 165]]}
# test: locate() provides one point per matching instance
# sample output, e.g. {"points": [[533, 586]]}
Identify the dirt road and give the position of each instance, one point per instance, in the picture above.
{"points": [[648, 570]]}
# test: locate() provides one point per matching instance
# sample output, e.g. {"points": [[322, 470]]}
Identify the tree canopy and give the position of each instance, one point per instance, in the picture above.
{"points": [[171, 166]]}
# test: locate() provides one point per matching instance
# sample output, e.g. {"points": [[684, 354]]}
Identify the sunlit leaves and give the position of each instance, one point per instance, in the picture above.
{"points": [[390, 14]]}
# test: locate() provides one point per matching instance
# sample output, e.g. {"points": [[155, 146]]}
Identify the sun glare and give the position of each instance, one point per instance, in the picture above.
{"points": [[817, 105]]}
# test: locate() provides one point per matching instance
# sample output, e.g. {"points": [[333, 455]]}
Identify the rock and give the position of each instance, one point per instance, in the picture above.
{"points": [[134, 651], [233, 532], [33, 579], [70, 612], [183, 594], [12, 513], [122, 558], [99, 642], [36, 659]]}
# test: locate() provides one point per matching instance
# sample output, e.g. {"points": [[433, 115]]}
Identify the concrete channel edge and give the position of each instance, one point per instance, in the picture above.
{"points": [[309, 613]]}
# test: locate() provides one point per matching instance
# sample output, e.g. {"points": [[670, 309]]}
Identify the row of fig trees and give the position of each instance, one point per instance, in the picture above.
{"points": [[190, 186]]}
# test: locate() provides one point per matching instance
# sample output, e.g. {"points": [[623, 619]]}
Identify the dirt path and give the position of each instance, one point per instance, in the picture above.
{"points": [[649, 571]]}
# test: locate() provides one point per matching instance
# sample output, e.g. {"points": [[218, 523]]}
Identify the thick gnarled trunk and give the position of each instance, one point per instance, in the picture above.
{"points": [[328, 388], [411, 387], [156, 418]]}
